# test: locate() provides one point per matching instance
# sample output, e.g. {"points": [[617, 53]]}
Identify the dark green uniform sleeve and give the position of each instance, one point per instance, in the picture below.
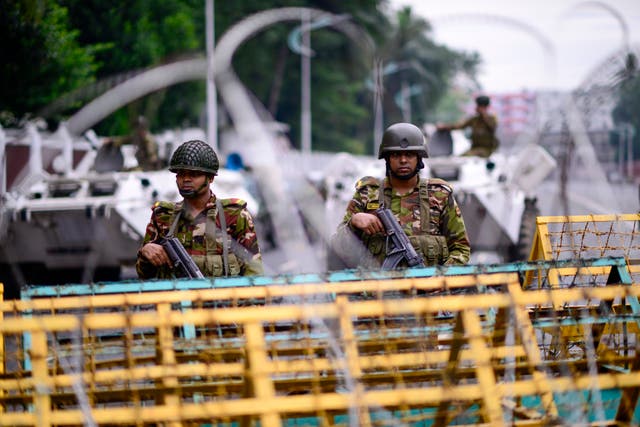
{"points": [[156, 228], [240, 223], [348, 242], [456, 234]]}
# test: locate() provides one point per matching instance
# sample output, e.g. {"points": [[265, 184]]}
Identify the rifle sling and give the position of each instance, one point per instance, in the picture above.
{"points": [[225, 238], [176, 217], [210, 234], [425, 213]]}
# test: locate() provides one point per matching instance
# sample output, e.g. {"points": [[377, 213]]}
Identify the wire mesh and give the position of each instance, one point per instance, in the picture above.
{"points": [[589, 237], [460, 349]]}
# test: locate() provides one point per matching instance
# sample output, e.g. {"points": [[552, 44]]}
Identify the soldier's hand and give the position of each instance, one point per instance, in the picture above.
{"points": [[155, 254], [368, 223]]}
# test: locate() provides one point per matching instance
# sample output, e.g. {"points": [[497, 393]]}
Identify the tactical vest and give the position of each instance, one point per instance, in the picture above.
{"points": [[212, 263], [433, 248]]}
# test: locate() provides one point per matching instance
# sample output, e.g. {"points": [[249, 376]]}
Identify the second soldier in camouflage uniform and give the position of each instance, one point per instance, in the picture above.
{"points": [[425, 208], [218, 234], [483, 129]]}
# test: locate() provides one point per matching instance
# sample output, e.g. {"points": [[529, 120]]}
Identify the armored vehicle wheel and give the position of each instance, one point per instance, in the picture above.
{"points": [[521, 250]]}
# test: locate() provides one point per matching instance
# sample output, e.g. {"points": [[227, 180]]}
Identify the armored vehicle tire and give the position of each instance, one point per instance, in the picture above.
{"points": [[522, 250]]}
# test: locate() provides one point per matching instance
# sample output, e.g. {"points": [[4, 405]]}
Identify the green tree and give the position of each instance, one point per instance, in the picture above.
{"points": [[141, 34], [342, 116], [123, 37], [42, 57], [627, 109], [421, 63]]}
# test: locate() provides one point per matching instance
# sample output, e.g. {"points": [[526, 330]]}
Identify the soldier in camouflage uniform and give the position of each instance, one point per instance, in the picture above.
{"points": [[483, 129], [217, 233], [425, 208], [145, 143], [146, 146]]}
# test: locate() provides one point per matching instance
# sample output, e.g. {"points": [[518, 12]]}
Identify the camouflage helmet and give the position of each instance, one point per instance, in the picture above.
{"points": [[403, 137], [483, 101], [194, 155]]}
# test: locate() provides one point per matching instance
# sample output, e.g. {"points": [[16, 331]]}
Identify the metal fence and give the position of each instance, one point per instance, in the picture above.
{"points": [[458, 349]]}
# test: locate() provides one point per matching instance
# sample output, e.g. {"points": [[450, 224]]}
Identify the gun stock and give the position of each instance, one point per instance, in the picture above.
{"points": [[398, 245], [180, 258]]}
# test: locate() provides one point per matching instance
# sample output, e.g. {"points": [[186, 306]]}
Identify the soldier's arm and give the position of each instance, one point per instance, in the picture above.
{"points": [[489, 121], [456, 234], [145, 268], [243, 231], [457, 125], [359, 205]]}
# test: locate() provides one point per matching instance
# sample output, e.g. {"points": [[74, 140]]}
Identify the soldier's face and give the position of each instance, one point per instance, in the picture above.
{"points": [[192, 183], [403, 163]]}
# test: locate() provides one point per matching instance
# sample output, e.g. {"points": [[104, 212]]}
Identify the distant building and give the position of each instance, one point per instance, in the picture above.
{"points": [[516, 112], [543, 114]]}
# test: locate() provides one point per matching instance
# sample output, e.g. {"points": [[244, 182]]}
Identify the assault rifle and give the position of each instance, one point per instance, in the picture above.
{"points": [[398, 245], [180, 258]]}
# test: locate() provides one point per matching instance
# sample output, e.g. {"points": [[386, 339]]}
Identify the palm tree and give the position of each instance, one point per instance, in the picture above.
{"points": [[413, 60]]}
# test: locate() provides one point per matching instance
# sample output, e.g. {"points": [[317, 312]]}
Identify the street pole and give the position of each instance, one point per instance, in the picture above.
{"points": [[629, 137], [405, 102], [305, 114], [300, 42], [212, 96], [377, 105]]}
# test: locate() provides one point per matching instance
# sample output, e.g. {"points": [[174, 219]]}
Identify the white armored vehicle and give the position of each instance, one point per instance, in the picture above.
{"points": [[497, 195], [75, 210]]}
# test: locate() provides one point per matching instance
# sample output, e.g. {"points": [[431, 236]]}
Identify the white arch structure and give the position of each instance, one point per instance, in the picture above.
{"points": [[258, 146], [134, 88], [545, 43], [283, 185], [612, 11]]}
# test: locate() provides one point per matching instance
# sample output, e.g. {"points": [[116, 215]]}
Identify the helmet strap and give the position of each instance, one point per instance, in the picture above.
{"points": [[192, 194], [419, 166]]}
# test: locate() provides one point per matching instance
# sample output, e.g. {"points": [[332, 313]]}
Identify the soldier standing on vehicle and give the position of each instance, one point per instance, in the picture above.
{"points": [[483, 129], [425, 208], [218, 234], [146, 146]]}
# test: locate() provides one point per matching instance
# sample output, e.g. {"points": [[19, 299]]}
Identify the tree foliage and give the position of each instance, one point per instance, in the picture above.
{"points": [[418, 63], [627, 110], [76, 42], [42, 57]]}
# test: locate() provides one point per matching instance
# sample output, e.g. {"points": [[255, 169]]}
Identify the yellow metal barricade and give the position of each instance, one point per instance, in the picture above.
{"points": [[379, 352], [587, 237]]}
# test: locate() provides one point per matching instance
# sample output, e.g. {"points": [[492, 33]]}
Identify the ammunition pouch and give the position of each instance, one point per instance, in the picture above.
{"points": [[434, 249], [213, 265]]}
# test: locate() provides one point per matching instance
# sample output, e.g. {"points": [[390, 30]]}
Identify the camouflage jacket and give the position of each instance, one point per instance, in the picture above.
{"points": [[429, 216], [482, 131], [202, 238]]}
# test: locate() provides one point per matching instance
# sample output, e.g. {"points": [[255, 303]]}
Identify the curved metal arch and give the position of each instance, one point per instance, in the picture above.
{"points": [[250, 26], [612, 11], [260, 147], [515, 24], [196, 69], [142, 84]]}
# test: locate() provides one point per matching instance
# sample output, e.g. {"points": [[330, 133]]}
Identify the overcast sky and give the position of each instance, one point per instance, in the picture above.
{"points": [[522, 42]]}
